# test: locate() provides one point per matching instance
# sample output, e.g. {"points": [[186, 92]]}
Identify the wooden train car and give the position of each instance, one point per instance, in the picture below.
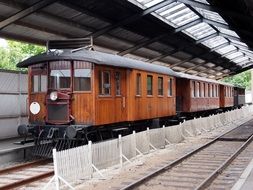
{"points": [[226, 95], [82, 89], [239, 96], [196, 94]]}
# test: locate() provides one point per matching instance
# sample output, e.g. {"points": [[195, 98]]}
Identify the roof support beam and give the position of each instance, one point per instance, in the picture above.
{"points": [[150, 41], [165, 55], [216, 9], [25, 12], [131, 18], [207, 38]]}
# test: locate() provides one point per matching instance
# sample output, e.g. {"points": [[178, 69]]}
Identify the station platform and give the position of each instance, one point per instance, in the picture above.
{"points": [[11, 144], [11, 150], [246, 179]]}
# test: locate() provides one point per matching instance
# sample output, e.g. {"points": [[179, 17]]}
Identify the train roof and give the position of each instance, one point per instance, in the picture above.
{"points": [[97, 58], [193, 77]]}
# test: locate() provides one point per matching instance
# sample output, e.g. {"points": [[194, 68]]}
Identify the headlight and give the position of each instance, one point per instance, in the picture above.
{"points": [[53, 96]]}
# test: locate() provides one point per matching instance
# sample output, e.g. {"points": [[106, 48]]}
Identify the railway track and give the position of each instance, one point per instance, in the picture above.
{"points": [[26, 173], [216, 165]]}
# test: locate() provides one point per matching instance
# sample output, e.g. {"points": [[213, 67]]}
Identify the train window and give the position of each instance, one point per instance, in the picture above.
{"points": [[82, 76], [104, 83], [149, 85], [160, 86], [138, 84], [60, 75], [117, 83], [213, 90], [170, 82], [209, 90], [193, 89], [39, 78], [204, 89], [217, 90], [197, 89]]}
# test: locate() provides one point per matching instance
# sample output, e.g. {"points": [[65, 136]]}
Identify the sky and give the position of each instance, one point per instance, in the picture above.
{"points": [[3, 43]]}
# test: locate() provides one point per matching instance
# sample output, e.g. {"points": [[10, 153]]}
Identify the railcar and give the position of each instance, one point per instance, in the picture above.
{"points": [[196, 95], [83, 94], [239, 96]]}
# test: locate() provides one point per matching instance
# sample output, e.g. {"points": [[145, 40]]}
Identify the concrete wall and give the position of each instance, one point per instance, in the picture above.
{"points": [[13, 98]]}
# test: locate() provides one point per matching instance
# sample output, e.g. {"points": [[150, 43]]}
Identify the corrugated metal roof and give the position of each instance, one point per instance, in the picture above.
{"points": [[167, 32]]}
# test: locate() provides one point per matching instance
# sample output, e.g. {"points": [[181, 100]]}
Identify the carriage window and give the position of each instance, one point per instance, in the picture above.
{"points": [[197, 89], [213, 91], [104, 83], [204, 86], [149, 85], [209, 90], [117, 83], [82, 76], [170, 87], [217, 92], [39, 78], [160, 86], [193, 89], [60, 75], [138, 84]]}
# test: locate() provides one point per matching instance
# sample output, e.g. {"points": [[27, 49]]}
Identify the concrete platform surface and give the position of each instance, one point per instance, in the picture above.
{"points": [[241, 133], [8, 144]]}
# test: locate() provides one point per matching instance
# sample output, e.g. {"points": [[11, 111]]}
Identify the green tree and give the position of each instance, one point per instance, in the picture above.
{"points": [[242, 79], [16, 52]]}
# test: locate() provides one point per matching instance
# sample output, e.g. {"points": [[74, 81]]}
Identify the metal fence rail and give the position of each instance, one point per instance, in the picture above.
{"points": [[79, 163]]}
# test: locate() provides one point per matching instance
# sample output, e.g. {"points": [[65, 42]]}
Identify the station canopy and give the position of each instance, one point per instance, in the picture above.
{"points": [[210, 38]]}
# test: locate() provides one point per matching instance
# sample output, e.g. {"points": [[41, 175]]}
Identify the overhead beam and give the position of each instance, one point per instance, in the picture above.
{"points": [[217, 9], [131, 18], [25, 12], [152, 40], [206, 38]]}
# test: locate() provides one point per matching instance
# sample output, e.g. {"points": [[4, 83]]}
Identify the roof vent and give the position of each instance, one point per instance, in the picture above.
{"points": [[75, 44]]}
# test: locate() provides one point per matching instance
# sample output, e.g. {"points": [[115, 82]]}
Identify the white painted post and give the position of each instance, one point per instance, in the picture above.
{"points": [[56, 178], [90, 157], [134, 144], [120, 151]]}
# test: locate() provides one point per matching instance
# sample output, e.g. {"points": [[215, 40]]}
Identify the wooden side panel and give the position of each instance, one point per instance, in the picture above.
{"points": [[40, 98], [150, 106], [82, 108]]}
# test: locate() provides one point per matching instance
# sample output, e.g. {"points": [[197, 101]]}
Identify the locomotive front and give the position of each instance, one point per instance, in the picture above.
{"points": [[52, 86], [57, 81]]}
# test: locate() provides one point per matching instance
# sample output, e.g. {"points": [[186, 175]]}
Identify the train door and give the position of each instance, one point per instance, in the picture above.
{"points": [[120, 95], [110, 102]]}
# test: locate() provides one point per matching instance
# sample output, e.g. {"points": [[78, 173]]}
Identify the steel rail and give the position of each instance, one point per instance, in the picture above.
{"points": [[27, 180], [25, 165], [172, 164], [225, 164]]}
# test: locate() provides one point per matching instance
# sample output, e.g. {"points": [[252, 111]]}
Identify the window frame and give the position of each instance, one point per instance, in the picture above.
{"points": [[170, 87], [152, 78], [119, 82], [90, 66], [39, 75], [101, 83], [138, 89], [162, 89]]}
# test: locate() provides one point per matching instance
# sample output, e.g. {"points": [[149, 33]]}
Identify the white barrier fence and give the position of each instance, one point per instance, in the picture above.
{"points": [[81, 162]]}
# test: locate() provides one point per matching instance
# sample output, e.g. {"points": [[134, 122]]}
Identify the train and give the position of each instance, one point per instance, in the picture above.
{"points": [[78, 94]]}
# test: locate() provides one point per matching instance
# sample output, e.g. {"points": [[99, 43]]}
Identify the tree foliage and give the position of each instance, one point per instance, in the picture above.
{"points": [[16, 52], [243, 79]]}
